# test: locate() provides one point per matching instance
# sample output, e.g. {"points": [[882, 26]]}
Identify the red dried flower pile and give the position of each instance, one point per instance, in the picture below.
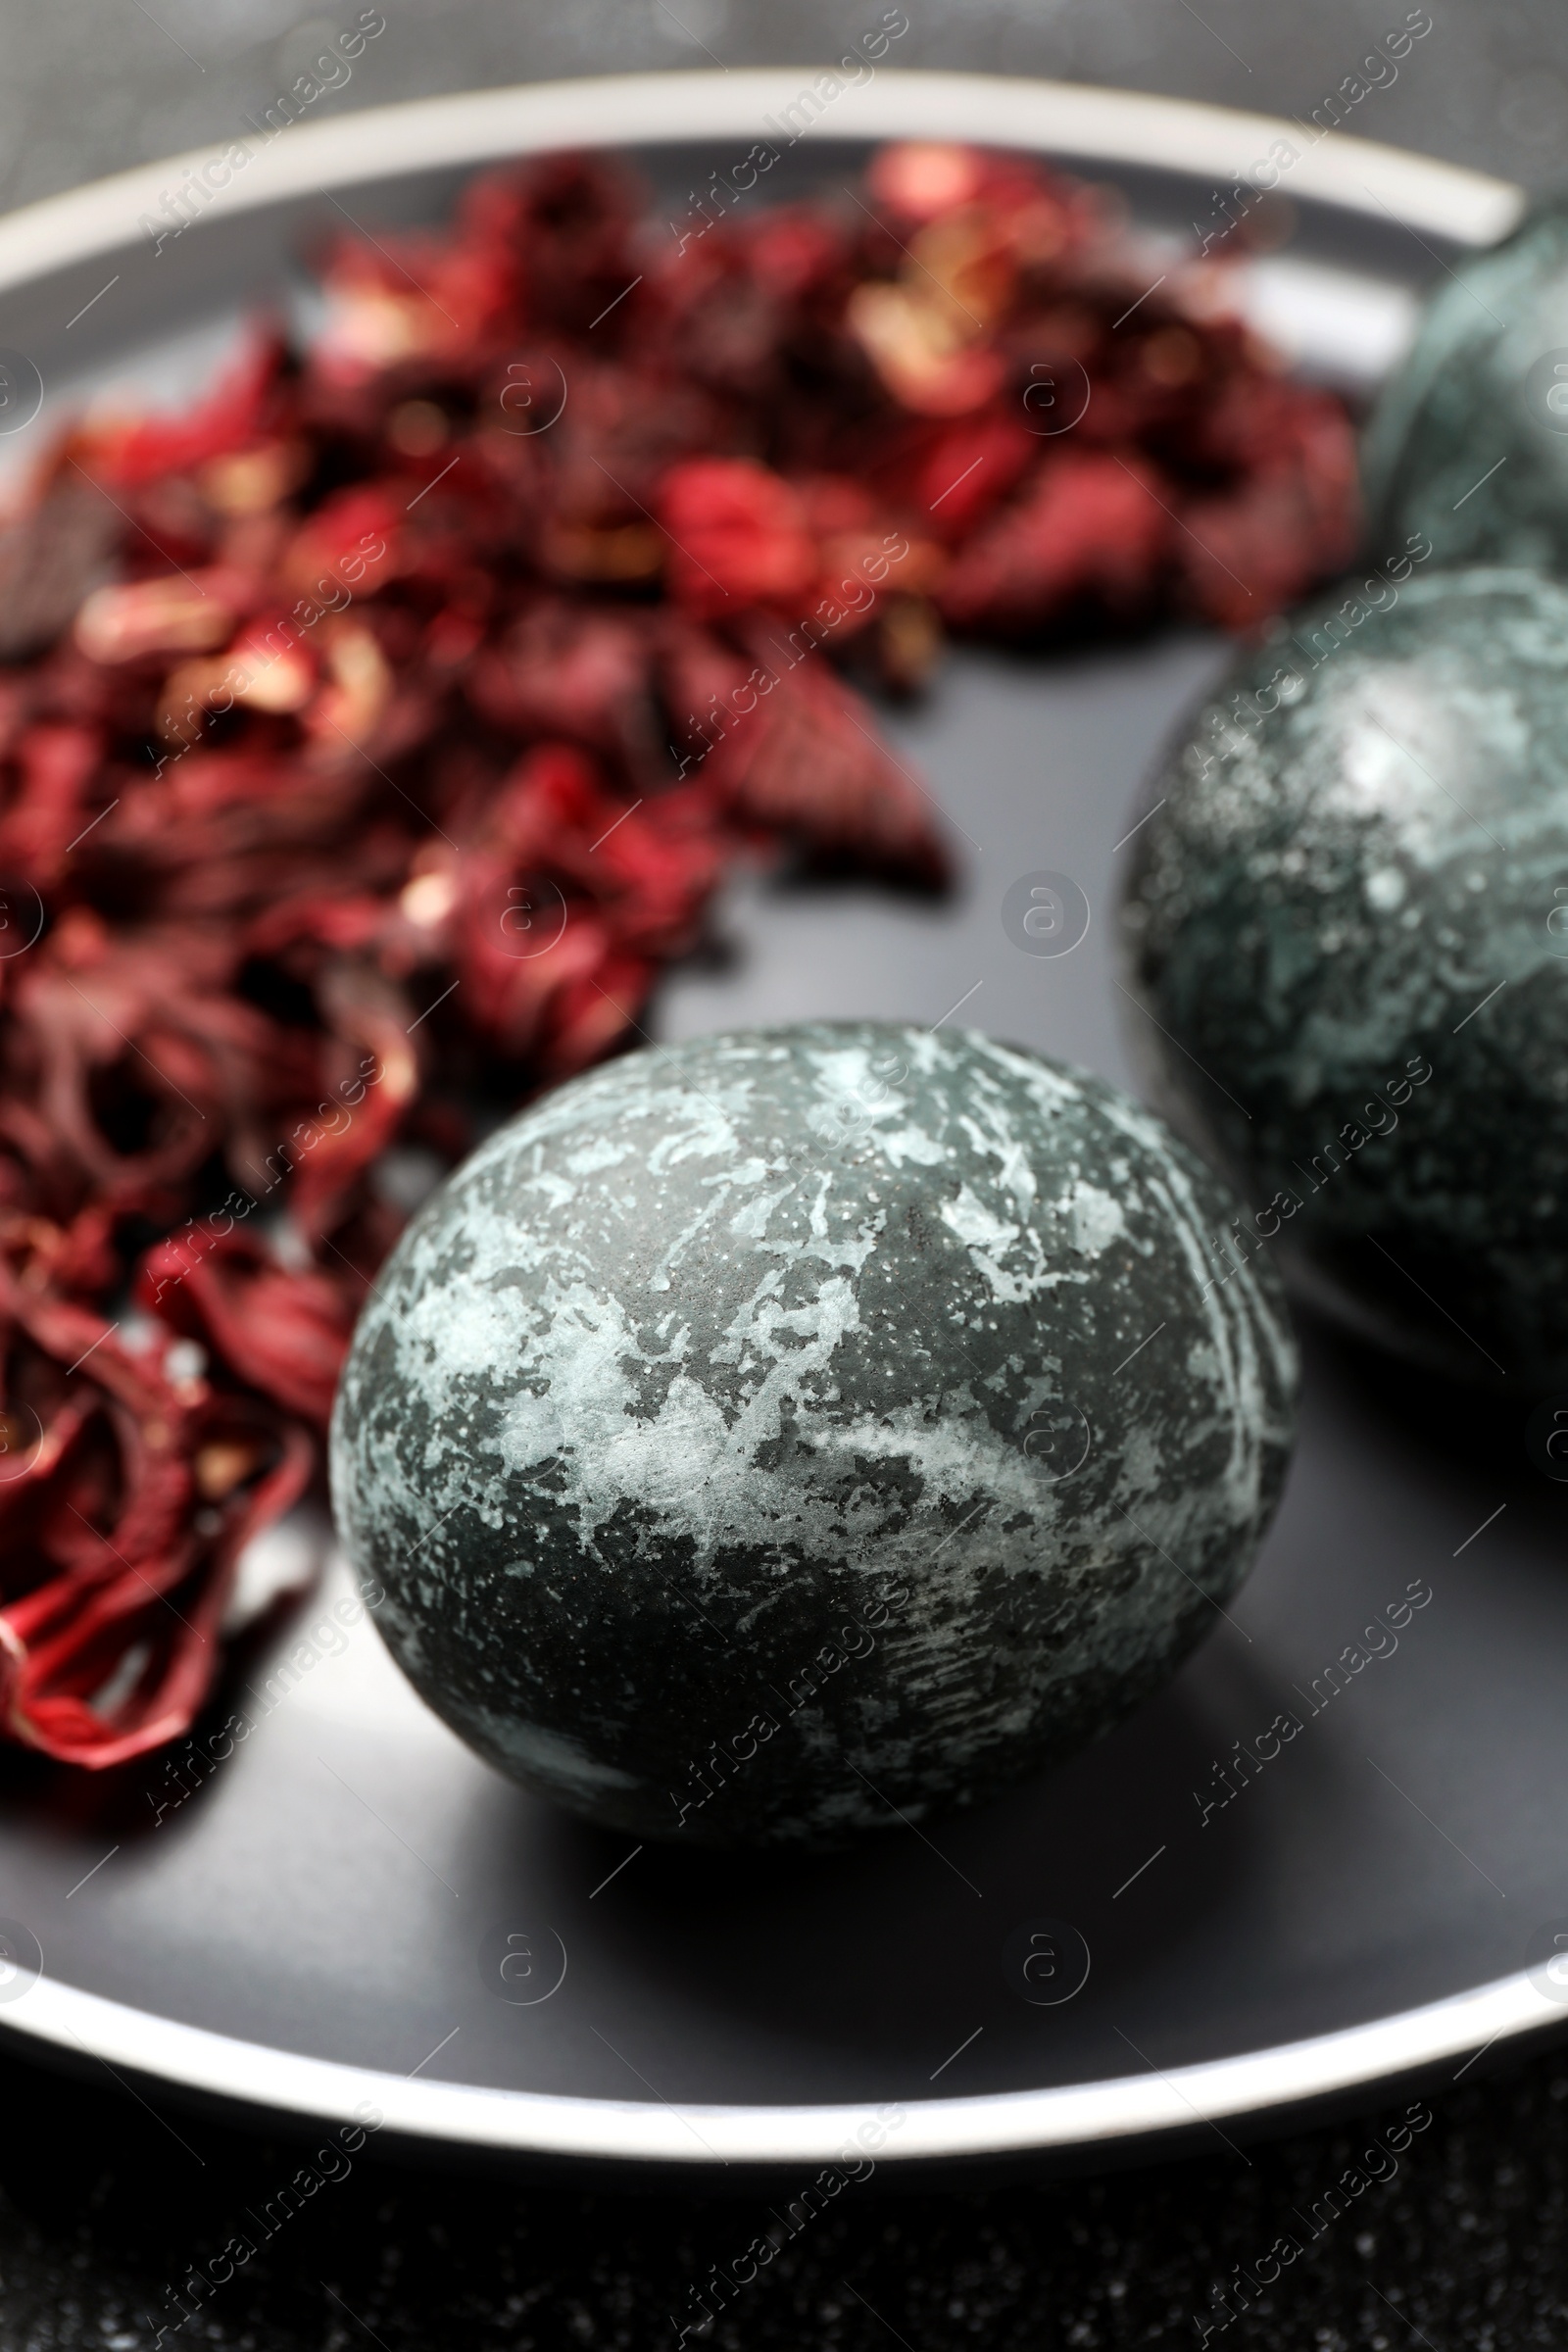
{"points": [[372, 735]]}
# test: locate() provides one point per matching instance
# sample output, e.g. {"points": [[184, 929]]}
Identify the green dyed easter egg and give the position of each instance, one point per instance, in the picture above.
{"points": [[1348, 928], [767, 1437], [1468, 445]]}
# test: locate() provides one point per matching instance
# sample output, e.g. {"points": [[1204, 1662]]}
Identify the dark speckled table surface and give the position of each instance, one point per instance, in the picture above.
{"points": [[104, 2204]]}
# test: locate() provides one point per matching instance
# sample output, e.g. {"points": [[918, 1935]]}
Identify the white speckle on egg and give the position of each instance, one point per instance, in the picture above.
{"points": [[1385, 888]]}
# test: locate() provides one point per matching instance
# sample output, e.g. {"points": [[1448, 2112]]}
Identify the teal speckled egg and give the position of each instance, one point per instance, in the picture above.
{"points": [[1349, 922], [1468, 445], [762, 1434]]}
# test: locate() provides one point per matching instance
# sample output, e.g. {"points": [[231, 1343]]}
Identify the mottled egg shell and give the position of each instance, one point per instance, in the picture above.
{"points": [[761, 1434], [1468, 445], [1348, 920]]}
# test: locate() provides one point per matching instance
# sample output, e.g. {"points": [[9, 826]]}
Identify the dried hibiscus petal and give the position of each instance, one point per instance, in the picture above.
{"points": [[738, 538], [806, 763], [118, 1559], [1088, 529], [286, 1333]]}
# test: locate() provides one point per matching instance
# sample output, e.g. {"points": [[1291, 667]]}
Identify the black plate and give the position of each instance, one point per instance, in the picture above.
{"points": [[351, 1907]]}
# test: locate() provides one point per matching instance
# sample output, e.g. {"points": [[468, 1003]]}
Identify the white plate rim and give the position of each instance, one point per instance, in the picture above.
{"points": [[474, 126], [1086, 2115], [1068, 120]]}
